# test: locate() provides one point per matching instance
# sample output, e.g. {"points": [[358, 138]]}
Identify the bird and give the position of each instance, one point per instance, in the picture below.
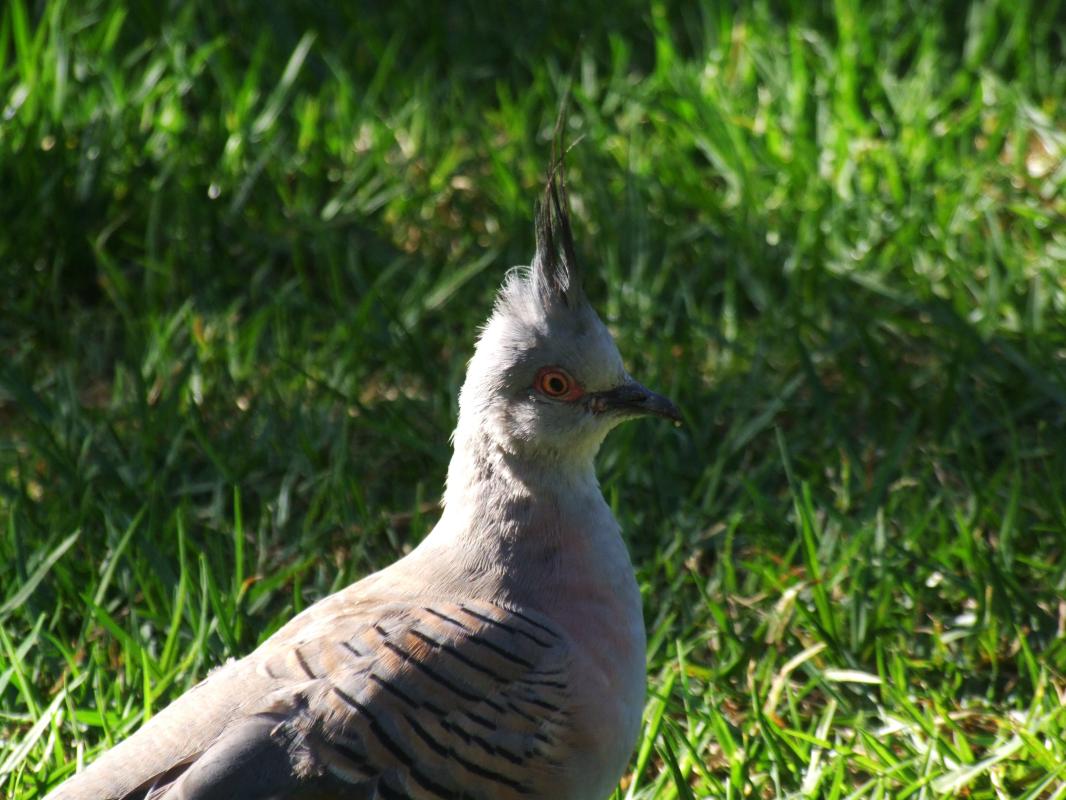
{"points": [[503, 657]]}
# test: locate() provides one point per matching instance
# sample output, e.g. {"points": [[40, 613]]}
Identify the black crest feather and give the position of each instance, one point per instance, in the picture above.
{"points": [[555, 269]]}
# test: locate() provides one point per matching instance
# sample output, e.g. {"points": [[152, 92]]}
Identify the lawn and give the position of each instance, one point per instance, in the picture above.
{"points": [[245, 249]]}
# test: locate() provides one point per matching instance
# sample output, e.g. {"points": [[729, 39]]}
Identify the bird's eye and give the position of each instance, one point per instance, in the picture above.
{"points": [[555, 383]]}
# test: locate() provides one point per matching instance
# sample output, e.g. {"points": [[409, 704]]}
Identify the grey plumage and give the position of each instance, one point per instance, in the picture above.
{"points": [[502, 658]]}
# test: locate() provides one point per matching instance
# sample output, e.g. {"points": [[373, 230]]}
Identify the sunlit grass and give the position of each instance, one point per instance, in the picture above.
{"points": [[245, 253]]}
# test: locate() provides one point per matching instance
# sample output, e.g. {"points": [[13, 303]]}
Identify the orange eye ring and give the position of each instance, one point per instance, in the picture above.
{"points": [[557, 384]]}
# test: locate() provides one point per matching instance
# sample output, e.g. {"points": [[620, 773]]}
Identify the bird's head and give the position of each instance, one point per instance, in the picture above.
{"points": [[547, 381]]}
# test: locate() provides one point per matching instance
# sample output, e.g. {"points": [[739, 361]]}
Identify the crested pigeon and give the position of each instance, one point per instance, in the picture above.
{"points": [[504, 657]]}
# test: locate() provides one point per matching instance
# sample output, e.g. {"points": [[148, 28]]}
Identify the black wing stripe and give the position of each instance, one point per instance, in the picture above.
{"points": [[433, 787], [353, 755], [395, 691], [447, 752], [484, 744], [455, 653], [511, 629], [536, 701], [441, 750], [521, 713], [433, 708], [548, 684], [480, 720], [347, 646], [377, 729], [530, 621], [446, 618], [303, 664], [363, 765], [500, 651], [434, 675]]}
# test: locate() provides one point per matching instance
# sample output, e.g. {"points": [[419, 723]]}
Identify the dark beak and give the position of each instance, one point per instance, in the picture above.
{"points": [[631, 398]]}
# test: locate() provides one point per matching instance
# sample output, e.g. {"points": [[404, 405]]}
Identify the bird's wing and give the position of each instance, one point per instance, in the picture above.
{"points": [[165, 746], [391, 700]]}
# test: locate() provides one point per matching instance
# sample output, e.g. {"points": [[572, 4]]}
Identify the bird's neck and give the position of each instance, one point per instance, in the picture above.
{"points": [[491, 485], [503, 509], [522, 530]]}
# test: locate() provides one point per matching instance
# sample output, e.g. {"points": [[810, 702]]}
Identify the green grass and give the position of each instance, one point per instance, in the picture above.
{"points": [[245, 250]]}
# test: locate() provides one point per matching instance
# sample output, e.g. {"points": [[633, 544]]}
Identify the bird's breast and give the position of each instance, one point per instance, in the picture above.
{"points": [[595, 601], [609, 662]]}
